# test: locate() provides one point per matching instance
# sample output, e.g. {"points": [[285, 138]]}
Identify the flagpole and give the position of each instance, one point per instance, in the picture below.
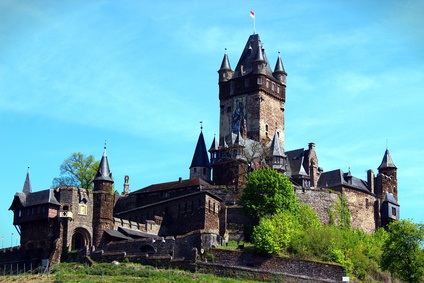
{"points": [[252, 15]]}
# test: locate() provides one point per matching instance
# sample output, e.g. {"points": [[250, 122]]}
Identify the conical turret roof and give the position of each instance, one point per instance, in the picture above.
{"points": [[276, 149], [387, 161], [103, 173], [27, 185], [225, 62], [279, 67], [200, 157]]}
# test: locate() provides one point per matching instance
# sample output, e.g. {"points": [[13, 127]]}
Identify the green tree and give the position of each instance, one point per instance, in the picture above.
{"points": [[77, 170], [403, 255], [267, 192]]}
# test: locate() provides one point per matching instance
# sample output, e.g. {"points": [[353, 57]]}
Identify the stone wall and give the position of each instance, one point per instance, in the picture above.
{"points": [[362, 212], [320, 199], [315, 271]]}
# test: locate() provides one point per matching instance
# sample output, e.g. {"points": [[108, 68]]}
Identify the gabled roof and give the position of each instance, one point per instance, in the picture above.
{"points": [[387, 161], [295, 160], [252, 52], [103, 173], [173, 185], [337, 177], [200, 156]]}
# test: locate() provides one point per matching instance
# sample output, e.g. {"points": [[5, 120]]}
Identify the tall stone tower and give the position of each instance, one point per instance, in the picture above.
{"points": [[252, 96], [103, 201], [252, 101]]}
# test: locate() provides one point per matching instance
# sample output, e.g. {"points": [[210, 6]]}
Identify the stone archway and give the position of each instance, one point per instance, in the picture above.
{"points": [[80, 239]]}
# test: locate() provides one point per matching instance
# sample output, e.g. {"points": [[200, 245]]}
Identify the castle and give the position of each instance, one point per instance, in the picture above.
{"points": [[201, 212]]}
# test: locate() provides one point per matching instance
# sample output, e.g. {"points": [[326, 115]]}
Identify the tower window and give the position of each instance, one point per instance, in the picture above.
{"points": [[259, 81], [393, 211], [204, 171], [278, 89], [267, 84], [246, 83], [273, 86], [266, 128], [232, 88]]}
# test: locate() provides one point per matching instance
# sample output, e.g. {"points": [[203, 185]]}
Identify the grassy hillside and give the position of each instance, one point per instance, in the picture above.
{"points": [[122, 273]]}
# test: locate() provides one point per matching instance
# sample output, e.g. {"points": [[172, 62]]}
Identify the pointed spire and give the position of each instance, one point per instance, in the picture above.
{"points": [[387, 161], [276, 149], [279, 67], [225, 62], [215, 145], [103, 173], [239, 139], [27, 185], [200, 156], [259, 54]]}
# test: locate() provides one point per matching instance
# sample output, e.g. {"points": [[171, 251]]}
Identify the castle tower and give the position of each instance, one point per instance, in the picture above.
{"points": [[252, 96], [200, 166], [386, 180], [103, 201]]}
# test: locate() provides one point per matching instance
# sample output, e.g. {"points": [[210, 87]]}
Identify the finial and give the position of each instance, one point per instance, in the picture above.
{"points": [[28, 170], [201, 125], [104, 149], [225, 50], [387, 143]]}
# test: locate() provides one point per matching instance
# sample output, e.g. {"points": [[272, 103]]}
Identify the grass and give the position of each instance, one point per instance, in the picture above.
{"points": [[122, 273]]}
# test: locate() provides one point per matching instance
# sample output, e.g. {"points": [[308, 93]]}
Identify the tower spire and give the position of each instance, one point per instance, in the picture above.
{"points": [[27, 185]]}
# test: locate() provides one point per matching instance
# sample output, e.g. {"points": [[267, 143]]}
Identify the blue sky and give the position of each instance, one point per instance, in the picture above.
{"points": [[142, 74]]}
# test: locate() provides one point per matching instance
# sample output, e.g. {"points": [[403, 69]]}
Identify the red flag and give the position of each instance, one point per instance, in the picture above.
{"points": [[252, 14]]}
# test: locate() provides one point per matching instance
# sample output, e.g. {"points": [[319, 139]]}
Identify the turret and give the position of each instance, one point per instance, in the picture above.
{"points": [[103, 201], [200, 166], [225, 72], [279, 72], [278, 156], [386, 180]]}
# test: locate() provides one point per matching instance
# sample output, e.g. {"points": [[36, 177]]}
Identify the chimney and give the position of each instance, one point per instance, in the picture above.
{"points": [[370, 180], [180, 180]]}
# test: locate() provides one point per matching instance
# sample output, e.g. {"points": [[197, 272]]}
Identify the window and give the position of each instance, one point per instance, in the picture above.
{"points": [[204, 171], [366, 203], [393, 211], [246, 83], [82, 209], [19, 213], [278, 89], [231, 87], [259, 81], [267, 84], [273, 86]]}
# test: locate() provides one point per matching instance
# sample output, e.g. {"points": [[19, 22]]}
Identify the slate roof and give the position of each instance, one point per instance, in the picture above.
{"points": [[132, 233], [339, 178], [252, 52], [27, 185], [117, 234], [225, 63], [387, 161], [200, 156], [276, 149], [103, 173], [173, 185], [295, 160], [390, 198], [36, 198]]}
